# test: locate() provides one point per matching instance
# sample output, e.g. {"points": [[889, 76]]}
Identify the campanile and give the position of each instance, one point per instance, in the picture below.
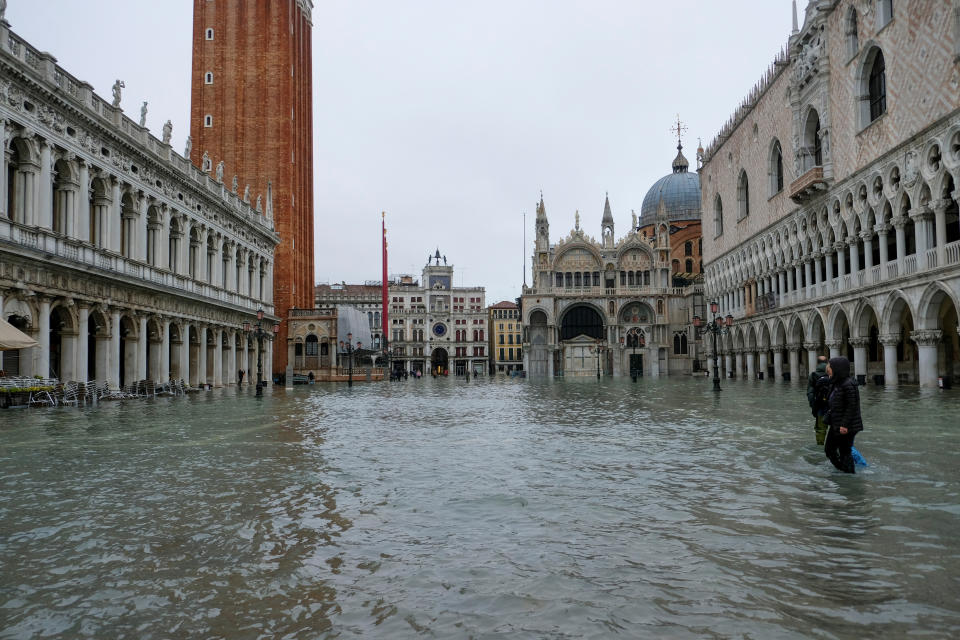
{"points": [[251, 108]]}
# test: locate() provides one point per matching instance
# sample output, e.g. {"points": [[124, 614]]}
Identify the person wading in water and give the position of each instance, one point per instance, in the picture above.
{"points": [[843, 415]]}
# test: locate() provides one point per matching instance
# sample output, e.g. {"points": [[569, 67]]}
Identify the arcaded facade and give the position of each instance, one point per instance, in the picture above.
{"points": [[831, 203], [121, 259]]}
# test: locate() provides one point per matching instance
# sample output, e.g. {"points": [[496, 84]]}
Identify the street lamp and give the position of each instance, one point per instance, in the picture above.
{"points": [[260, 333], [348, 349], [716, 326], [598, 349]]}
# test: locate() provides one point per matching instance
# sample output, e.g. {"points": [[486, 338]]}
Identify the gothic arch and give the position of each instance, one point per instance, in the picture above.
{"points": [[929, 305], [892, 310], [836, 318]]}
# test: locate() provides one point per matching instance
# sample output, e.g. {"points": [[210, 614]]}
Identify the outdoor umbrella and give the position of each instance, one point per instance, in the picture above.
{"points": [[13, 338]]}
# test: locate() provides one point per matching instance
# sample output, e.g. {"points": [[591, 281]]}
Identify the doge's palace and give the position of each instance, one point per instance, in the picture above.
{"points": [[118, 256], [830, 198]]}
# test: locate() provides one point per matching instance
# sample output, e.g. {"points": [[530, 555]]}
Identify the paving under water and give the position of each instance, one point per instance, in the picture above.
{"points": [[490, 508]]}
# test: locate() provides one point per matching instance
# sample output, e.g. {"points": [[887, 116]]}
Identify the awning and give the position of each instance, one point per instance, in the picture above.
{"points": [[12, 338]]}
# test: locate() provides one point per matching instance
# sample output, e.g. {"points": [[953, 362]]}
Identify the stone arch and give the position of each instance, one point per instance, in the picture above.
{"points": [[779, 333], [763, 340], [812, 151], [816, 332], [582, 318], [896, 304], [928, 307], [837, 321]]}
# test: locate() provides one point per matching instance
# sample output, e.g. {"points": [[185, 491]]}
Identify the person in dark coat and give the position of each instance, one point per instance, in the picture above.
{"points": [[843, 415], [817, 389]]}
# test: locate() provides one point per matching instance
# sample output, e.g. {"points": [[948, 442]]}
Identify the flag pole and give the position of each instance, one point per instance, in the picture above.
{"points": [[384, 325]]}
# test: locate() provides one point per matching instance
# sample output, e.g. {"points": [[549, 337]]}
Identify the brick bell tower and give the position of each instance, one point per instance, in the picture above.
{"points": [[251, 107]]}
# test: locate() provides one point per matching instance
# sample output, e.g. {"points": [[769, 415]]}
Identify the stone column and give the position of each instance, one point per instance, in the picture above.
{"points": [[218, 357], [738, 363], [44, 213], [165, 351], [781, 287], [113, 366], [230, 376], [777, 364], [927, 341], [889, 342], [812, 352], [762, 363], [727, 364], [751, 366], [793, 354], [114, 221], [882, 231], [828, 261], [860, 356], [867, 238], [4, 213], [184, 372], [808, 278], [82, 230], [841, 250], [202, 357], [834, 346], [899, 224], [139, 250], [142, 346], [83, 349], [940, 227], [854, 256], [41, 365]]}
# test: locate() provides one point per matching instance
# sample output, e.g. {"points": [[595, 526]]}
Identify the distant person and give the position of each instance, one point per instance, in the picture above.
{"points": [[817, 398], [240, 376], [843, 415], [311, 377]]}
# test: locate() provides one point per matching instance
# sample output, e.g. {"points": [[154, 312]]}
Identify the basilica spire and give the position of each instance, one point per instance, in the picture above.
{"points": [[606, 225]]}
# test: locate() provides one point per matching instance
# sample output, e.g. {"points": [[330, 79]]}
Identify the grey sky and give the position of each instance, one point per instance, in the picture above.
{"points": [[452, 115]]}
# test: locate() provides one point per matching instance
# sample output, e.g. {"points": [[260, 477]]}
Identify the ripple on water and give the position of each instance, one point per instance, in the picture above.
{"points": [[567, 509]]}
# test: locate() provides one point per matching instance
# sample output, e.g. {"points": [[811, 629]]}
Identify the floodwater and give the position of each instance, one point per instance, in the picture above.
{"points": [[482, 509]]}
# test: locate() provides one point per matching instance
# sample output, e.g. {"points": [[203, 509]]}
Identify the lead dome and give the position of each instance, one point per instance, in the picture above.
{"points": [[679, 190]]}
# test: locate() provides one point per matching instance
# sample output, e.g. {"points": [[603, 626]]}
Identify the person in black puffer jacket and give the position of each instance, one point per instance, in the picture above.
{"points": [[843, 415]]}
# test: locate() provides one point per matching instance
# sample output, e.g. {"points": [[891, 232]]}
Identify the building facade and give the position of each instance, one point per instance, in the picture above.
{"points": [[617, 306], [365, 297], [121, 259], [833, 194], [506, 338], [251, 118], [436, 328]]}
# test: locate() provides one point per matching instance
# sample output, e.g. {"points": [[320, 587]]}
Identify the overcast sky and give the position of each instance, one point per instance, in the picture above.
{"points": [[452, 115]]}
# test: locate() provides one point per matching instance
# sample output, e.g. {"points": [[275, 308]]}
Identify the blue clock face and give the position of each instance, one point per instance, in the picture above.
{"points": [[439, 329]]}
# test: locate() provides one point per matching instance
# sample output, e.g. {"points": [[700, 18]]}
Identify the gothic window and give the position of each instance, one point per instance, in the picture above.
{"points": [[812, 152], [208, 120], [559, 279], [776, 168], [623, 278], [208, 77], [209, 34], [689, 266], [718, 216], [596, 278], [743, 195], [312, 345], [630, 280], [688, 248], [853, 44], [878, 87]]}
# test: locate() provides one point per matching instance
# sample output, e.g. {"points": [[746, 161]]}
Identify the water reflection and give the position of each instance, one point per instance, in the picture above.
{"points": [[436, 507]]}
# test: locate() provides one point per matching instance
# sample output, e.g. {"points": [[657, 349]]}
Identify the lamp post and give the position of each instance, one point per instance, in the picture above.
{"points": [[716, 326], [259, 333], [598, 349], [348, 349]]}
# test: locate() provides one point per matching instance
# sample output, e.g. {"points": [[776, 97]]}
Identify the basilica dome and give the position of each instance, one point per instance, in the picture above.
{"points": [[679, 190]]}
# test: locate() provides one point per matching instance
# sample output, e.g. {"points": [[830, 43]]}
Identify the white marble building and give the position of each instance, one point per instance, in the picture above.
{"points": [[123, 260], [435, 326], [833, 196]]}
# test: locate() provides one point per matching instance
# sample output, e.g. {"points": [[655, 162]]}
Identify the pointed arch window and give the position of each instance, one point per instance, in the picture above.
{"points": [[776, 168], [718, 216], [878, 87], [743, 195]]}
